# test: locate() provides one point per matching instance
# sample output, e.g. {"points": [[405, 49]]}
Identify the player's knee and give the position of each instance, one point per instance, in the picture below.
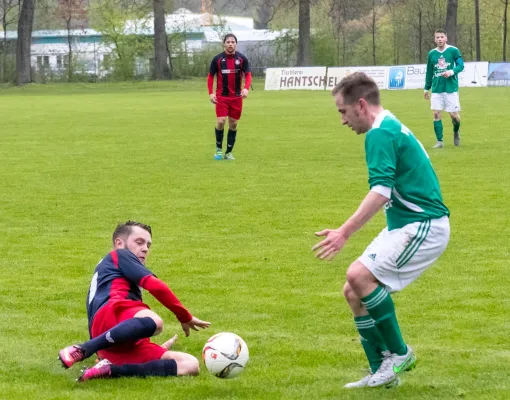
{"points": [[188, 365], [220, 123], [355, 276], [159, 325], [455, 117], [437, 115], [232, 125], [349, 293]]}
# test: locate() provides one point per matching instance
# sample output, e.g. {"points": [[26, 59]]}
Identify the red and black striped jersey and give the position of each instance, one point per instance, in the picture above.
{"points": [[229, 70]]}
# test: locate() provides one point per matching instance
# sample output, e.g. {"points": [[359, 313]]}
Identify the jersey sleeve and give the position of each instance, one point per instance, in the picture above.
{"points": [[213, 69], [131, 267], [459, 62], [428, 75], [381, 158], [246, 65]]}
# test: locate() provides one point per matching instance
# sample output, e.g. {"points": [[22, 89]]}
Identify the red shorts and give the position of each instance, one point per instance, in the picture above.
{"points": [[137, 352], [229, 107]]}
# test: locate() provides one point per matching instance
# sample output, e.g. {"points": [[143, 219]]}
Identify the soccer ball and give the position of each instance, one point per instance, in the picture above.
{"points": [[225, 355]]}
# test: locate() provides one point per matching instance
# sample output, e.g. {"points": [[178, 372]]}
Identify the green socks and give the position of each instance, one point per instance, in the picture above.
{"points": [[438, 130], [382, 310], [371, 341]]}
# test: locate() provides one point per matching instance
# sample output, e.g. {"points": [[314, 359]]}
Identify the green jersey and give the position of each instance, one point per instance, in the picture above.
{"points": [[439, 62], [399, 166]]}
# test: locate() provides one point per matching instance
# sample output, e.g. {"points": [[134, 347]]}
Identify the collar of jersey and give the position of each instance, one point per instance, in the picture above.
{"points": [[379, 119]]}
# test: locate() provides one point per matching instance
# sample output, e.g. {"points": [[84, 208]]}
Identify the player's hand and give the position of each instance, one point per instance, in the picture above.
{"points": [[194, 324], [244, 93], [426, 95], [447, 74], [213, 98], [331, 245], [169, 343]]}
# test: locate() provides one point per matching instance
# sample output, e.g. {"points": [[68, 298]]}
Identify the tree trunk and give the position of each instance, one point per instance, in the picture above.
{"points": [[161, 68], [70, 66], [420, 35], [304, 33], [374, 28], [505, 28], [451, 21], [477, 31], [23, 46]]}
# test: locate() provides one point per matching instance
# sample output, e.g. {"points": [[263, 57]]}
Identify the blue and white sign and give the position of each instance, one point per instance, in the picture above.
{"points": [[397, 78]]}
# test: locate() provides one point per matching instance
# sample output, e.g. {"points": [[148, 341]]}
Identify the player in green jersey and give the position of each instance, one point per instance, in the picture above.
{"points": [[443, 66], [403, 182]]}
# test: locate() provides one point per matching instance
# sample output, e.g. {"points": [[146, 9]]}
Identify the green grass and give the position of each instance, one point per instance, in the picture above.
{"points": [[233, 239]]}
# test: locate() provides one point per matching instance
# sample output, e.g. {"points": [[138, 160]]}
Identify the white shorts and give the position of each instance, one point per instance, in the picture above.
{"points": [[398, 257], [448, 102]]}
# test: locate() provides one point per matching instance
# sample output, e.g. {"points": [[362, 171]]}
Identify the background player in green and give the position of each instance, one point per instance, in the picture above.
{"points": [[443, 66], [401, 180]]}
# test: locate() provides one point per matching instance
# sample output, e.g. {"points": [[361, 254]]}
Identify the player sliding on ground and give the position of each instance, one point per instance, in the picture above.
{"points": [[120, 324], [401, 180]]}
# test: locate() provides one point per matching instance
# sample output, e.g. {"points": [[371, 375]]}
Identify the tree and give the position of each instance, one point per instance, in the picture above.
{"points": [[505, 27], [451, 21], [161, 68], [8, 14], [304, 33], [74, 15], [24, 43]]}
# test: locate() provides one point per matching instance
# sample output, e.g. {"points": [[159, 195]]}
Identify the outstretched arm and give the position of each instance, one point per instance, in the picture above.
{"points": [[165, 296], [336, 238]]}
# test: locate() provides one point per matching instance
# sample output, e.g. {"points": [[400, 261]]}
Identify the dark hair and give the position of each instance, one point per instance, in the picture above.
{"points": [[356, 86], [441, 31], [126, 229], [229, 35]]}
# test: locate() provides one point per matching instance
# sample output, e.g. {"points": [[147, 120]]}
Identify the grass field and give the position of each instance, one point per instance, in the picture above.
{"points": [[233, 239]]}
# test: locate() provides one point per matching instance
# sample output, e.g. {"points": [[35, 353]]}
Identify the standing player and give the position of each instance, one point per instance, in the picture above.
{"points": [[401, 180], [120, 324], [229, 67], [443, 66]]}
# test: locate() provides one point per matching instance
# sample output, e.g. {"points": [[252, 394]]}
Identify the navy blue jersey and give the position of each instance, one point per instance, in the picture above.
{"points": [[117, 277], [230, 69]]}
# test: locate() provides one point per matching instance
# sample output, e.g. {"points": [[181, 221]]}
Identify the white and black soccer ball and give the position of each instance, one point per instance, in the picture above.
{"points": [[225, 355]]}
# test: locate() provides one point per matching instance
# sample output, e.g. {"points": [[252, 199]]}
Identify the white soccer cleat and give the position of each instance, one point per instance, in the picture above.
{"points": [[229, 156], [392, 366], [363, 382], [438, 145]]}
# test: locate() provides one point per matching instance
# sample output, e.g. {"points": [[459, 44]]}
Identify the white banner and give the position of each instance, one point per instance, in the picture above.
{"points": [[413, 76], [299, 78], [474, 75], [336, 74], [398, 77]]}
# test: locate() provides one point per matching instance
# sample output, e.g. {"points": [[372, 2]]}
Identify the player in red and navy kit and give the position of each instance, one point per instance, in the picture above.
{"points": [[120, 324], [229, 68]]}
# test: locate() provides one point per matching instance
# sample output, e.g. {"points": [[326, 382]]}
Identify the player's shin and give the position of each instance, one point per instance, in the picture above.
{"points": [[231, 139], [438, 130], [371, 341], [151, 368], [129, 330], [379, 305]]}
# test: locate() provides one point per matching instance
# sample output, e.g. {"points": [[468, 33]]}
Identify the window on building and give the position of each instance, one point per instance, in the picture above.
{"points": [[43, 62]]}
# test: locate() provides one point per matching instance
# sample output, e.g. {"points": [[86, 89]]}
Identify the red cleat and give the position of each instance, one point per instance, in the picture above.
{"points": [[99, 371], [71, 355]]}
